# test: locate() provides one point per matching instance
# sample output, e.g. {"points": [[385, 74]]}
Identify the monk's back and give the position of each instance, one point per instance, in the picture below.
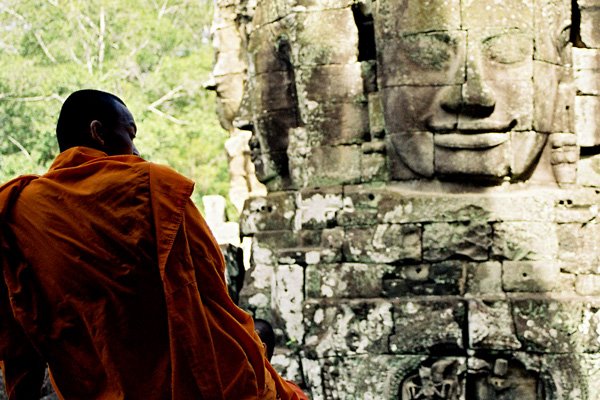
{"points": [[94, 293]]}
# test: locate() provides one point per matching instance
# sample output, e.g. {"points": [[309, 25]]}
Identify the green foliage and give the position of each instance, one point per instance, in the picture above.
{"points": [[154, 54]]}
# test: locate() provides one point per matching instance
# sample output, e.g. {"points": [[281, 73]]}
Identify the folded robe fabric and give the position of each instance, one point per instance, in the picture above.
{"points": [[112, 276]]}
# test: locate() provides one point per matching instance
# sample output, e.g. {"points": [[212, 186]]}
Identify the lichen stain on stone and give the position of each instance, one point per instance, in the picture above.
{"points": [[398, 212], [431, 50], [320, 208]]}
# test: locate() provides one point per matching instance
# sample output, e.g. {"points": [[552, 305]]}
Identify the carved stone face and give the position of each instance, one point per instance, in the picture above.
{"points": [[470, 88]]}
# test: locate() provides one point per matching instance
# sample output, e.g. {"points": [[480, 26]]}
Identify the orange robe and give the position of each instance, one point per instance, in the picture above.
{"points": [[113, 278], [297, 390]]}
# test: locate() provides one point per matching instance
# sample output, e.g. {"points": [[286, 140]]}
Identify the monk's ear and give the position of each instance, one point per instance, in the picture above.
{"points": [[96, 131]]}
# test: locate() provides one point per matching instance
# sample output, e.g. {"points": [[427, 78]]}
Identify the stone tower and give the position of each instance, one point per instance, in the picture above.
{"points": [[431, 223]]}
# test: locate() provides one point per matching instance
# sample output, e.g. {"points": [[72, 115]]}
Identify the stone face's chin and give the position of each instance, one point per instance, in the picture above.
{"points": [[469, 141], [489, 157]]}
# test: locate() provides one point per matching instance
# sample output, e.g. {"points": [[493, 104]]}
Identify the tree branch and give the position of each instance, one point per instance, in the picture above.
{"points": [[21, 147], [162, 10], [167, 116], [101, 39], [40, 41], [171, 94], [53, 96]]}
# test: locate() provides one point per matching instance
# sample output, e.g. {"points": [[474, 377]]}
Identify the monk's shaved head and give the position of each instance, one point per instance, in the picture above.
{"points": [[78, 112]]}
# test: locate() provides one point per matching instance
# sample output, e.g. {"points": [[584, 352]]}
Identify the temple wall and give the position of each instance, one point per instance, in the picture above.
{"points": [[430, 227]]}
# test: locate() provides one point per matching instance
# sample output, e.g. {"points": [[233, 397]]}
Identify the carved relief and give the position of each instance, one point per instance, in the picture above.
{"points": [[502, 380], [378, 127], [440, 381], [465, 91], [496, 378]]}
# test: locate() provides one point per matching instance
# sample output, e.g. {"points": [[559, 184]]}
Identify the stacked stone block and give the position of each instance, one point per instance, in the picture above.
{"points": [[586, 64], [430, 227], [391, 276]]}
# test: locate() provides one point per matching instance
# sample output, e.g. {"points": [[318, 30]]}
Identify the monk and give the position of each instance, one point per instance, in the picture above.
{"points": [[111, 277]]}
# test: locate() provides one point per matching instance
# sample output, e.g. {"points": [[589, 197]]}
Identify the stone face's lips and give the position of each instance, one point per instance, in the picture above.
{"points": [[470, 141]]}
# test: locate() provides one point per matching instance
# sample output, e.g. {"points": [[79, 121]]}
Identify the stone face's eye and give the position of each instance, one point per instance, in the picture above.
{"points": [[430, 50], [508, 48]]}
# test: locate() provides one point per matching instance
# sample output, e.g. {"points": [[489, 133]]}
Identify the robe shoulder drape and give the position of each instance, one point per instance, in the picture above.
{"points": [[112, 276]]}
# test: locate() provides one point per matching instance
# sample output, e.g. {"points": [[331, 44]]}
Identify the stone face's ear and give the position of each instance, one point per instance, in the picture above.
{"points": [[96, 132]]}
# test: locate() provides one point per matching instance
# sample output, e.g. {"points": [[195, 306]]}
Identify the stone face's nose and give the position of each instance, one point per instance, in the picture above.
{"points": [[474, 98]]}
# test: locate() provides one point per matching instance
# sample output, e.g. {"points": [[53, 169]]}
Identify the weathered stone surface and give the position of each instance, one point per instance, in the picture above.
{"points": [[229, 59], [522, 161], [588, 285], [269, 49], [287, 365], [347, 328], [415, 150], [577, 206], [435, 58], [376, 119], [317, 209], [422, 174], [590, 20], [373, 166], [360, 208], [492, 163], [445, 278], [524, 241], [579, 248], [304, 247], [385, 243], [258, 284], [273, 212], [587, 127], [586, 60], [530, 276], [484, 279], [385, 377], [512, 48], [471, 240], [553, 105], [491, 14], [587, 81], [272, 129], [272, 169], [270, 11], [573, 375], [337, 123], [276, 240], [588, 171], [514, 100], [318, 5], [229, 97], [288, 293], [345, 280], [403, 108], [333, 165], [398, 204], [550, 18], [330, 83], [369, 76], [490, 326], [274, 91], [547, 326], [563, 157], [326, 37], [421, 325], [590, 328], [398, 170], [408, 16]]}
